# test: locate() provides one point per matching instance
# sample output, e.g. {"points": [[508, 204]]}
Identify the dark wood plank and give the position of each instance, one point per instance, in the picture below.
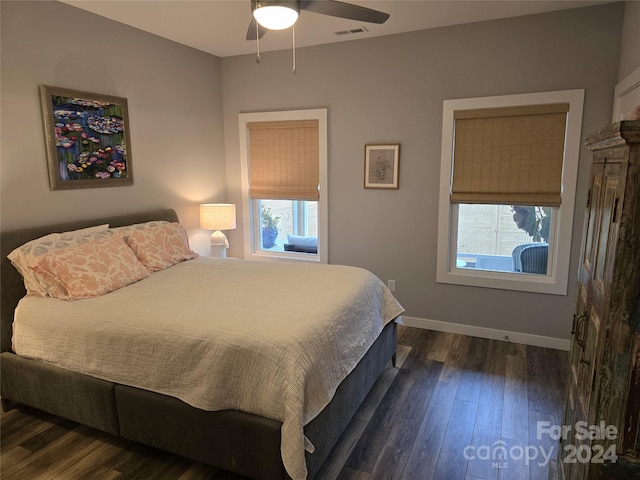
{"points": [[515, 415], [390, 464], [425, 451], [472, 373], [546, 366], [56, 429], [515, 418], [56, 448], [439, 349], [488, 426], [514, 466], [16, 427], [456, 358], [350, 474], [13, 456], [451, 461], [399, 415], [333, 466], [547, 447]]}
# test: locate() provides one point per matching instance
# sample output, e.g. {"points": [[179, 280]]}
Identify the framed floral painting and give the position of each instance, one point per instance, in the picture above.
{"points": [[87, 139], [381, 166]]}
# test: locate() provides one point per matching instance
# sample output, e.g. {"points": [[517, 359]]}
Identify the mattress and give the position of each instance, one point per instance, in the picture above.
{"points": [[272, 339]]}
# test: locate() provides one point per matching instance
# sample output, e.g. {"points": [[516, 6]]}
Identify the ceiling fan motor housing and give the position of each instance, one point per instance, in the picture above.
{"points": [[275, 14], [291, 9]]}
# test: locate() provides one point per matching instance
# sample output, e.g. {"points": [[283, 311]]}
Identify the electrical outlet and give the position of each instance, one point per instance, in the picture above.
{"points": [[392, 285]]}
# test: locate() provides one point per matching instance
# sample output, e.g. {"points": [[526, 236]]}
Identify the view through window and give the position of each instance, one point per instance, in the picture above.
{"points": [[288, 225], [503, 238]]}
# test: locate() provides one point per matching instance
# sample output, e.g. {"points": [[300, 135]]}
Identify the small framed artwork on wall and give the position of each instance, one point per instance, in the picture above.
{"points": [[87, 139], [381, 166]]}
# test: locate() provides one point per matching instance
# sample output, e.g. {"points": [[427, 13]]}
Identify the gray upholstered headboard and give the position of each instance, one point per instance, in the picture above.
{"points": [[11, 285]]}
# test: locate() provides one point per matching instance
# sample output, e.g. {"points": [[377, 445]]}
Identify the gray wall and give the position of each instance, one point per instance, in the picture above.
{"points": [[391, 89], [630, 51], [175, 109]]}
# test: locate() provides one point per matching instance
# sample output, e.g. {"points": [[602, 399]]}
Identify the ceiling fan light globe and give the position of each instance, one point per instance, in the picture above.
{"points": [[275, 17]]}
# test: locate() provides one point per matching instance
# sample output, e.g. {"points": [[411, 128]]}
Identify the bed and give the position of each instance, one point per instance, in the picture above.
{"points": [[202, 406]]}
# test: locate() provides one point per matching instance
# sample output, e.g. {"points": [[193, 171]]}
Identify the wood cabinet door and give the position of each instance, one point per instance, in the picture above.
{"points": [[596, 271], [586, 331], [592, 222], [607, 234], [600, 227]]}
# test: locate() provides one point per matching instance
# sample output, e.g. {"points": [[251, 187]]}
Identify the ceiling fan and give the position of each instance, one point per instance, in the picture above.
{"points": [[281, 14]]}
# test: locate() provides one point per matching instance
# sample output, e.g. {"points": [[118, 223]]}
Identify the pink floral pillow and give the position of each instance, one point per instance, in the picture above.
{"points": [[129, 229], [25, 255], [160, 245], [89, 269]]}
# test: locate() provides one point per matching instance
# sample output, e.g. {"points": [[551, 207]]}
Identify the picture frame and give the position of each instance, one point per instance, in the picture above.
{"points": [[87, 139], [381, 166]]}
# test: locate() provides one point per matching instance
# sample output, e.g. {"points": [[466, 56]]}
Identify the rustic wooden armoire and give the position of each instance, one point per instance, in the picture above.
{"points": [[602, 410]]}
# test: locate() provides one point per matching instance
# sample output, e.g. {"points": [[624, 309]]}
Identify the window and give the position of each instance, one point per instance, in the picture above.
{"points": [[507, 187], [284, 170]]}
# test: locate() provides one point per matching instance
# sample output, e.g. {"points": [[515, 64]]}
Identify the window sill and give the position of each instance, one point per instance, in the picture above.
{"points": [[524, 282], [274, 255]]}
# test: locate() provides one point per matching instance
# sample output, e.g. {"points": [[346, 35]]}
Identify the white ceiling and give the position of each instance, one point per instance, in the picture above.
{"points": [[219, 26]]}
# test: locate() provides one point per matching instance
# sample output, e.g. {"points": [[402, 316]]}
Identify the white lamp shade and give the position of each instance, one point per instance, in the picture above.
{"points": [[217, 216], [275, 17]]}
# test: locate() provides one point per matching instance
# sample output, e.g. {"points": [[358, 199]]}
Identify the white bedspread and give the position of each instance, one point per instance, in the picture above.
{"points": [[273, 339]]}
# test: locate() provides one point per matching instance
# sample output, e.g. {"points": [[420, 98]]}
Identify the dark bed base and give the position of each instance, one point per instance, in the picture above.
{"points": [[232, 440]]}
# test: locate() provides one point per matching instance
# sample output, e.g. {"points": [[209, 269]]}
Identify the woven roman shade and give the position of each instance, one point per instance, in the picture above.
{"points": [[510, 155], [284, 160]]}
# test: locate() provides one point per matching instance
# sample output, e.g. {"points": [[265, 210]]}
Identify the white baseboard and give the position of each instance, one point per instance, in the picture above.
{"points": [[482, 332]]}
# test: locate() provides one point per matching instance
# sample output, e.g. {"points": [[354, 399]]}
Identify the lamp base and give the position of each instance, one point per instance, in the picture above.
{"points": [[219, 244], [218, 251]]}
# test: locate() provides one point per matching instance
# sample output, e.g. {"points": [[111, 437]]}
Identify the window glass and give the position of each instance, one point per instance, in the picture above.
{"points": [[503, 238], [287, 225]]}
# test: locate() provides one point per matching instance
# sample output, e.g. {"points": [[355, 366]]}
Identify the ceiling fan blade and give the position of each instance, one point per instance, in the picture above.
{"points": [[251, 31], [344, 10]]}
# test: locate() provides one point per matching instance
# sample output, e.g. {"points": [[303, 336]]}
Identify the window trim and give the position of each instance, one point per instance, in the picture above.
{"points": [[250, 246], [556, 280]]}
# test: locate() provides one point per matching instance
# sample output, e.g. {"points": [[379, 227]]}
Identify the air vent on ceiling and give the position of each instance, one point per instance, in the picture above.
{"points": [[352, 31]]}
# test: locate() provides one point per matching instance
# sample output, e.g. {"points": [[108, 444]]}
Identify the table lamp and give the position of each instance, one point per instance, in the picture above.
{"points": [[218, 217]]}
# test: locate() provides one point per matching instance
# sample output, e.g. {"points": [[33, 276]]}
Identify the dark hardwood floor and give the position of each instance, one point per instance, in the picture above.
{"points": [[453, 402]]}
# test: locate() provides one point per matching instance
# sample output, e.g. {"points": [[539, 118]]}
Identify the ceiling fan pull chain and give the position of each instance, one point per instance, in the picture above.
{"points": [[257, 44], [293, 34]]}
